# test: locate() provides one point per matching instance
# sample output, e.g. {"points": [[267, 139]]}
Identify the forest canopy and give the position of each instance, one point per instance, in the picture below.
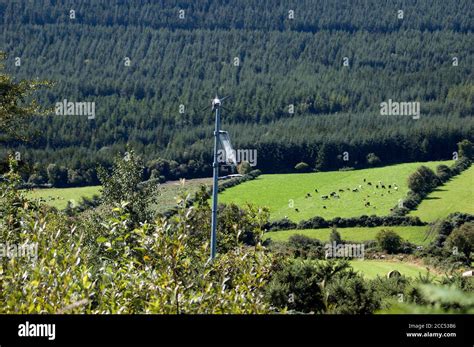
{"points": [[306, 78]]}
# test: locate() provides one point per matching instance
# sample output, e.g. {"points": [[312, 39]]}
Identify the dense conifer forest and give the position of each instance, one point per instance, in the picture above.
{"points": [[306, 78]]}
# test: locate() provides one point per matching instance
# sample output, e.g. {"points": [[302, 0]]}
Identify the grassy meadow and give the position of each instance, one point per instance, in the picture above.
{"points": [[456, 195], [59, 197], [286, 194], [414, 234], [167, 193], [373, 268]]}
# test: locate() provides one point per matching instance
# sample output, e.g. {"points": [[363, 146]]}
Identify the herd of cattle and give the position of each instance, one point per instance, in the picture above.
{"points": [[334, 195]]}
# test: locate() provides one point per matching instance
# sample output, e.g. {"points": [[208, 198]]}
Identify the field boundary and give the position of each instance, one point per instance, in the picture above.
{"points": [[413, 199], [362, 221]]}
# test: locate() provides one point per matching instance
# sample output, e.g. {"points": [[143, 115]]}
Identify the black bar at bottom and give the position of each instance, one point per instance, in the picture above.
{"points": [[452, 330]]}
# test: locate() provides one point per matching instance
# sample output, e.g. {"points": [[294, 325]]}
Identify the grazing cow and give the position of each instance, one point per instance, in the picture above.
{"points": [[396, 188], [369, 183], [324, 207], [324, 197], [316, 190], [355, 190], [360, 186], [367, 204], [348, 188], [364, 179], [383, 187], [332, 193], [377, 186], [389, 192], [297, 210], [389, 186], [341, 190]]}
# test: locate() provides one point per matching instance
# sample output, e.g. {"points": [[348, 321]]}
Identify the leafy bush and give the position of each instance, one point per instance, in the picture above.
{"points": [[443, 172], [388, 289], [443, 228], [460, 165], [300, 246], [320, 287], [124, 184], [389, 241], [423, 180], [466, 149], [373, 160], [461, 239], [244, 168]]}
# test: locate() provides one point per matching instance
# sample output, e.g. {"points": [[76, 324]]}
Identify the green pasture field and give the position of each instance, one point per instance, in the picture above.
{"points": [[414, 234], [59, 197], [373, 268], [286, 194], [456, 195]]}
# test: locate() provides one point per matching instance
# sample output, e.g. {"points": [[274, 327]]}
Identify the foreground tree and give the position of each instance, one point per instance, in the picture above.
{"points": [[124, 185]]}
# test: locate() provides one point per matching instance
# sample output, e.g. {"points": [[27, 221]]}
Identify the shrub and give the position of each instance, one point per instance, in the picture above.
{"points": [[244, 168], [462, 239], [350, 295], [313, 223], [320, 287], [466, 149], [423, 180], [443, 228], [373, 160], [281, 224], [460, 165], [443, 172], [301, 246], [389, 241]]}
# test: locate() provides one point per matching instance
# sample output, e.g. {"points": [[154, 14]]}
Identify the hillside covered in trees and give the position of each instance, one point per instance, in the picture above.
{"points": [[306, 77]]}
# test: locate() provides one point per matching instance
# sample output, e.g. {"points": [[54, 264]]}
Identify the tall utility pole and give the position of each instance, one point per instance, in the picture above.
{"points": [[216, 104]]}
